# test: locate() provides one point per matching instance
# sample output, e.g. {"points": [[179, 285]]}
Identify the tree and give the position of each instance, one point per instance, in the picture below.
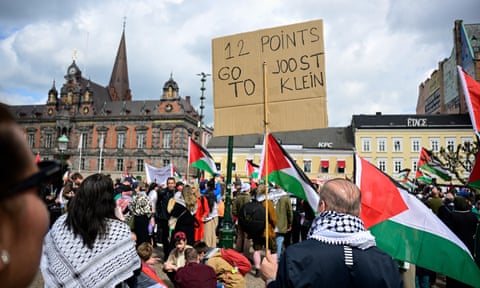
{"points": [[460, 160]]}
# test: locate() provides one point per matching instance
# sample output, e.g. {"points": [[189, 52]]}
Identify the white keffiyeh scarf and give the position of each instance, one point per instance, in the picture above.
{"points": [[67, 262], [340, 229]]}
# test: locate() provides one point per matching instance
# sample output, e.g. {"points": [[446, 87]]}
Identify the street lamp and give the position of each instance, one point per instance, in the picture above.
{"points": [[62, 147]]}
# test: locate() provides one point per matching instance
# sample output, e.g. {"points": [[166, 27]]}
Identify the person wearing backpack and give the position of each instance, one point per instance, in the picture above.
{"points": [[242, 243], [259, 241], [230, 273]]}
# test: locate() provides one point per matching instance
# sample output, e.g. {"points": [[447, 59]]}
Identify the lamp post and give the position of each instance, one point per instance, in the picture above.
{"points": [[62, 147]]}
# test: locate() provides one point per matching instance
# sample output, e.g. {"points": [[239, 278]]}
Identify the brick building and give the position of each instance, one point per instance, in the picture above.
{"points": [[107, 130]]}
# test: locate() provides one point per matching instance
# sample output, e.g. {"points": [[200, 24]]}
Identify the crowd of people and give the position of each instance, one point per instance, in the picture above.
{"points": [[106, 233]]}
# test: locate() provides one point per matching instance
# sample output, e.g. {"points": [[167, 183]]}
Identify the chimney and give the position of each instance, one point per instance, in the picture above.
{"points": [[187, 98]]}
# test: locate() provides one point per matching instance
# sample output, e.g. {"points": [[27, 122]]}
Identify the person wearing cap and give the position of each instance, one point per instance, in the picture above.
{"points": [[23, 215], [242, 243], [176, 258]]}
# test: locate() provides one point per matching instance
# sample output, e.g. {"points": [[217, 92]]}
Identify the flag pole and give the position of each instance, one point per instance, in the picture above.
{"points": [[188, 159], [265, 116]]}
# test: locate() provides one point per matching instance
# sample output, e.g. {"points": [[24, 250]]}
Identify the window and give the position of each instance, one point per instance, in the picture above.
{"points": [[341, 166], [450, 143], [382, 144], [82, 164], [414, 165], [307, 166], [140, 141], [382, 164], [397, 165], [324, 166], [435, 144], [140, 165], [397, 144], [167, 139], [48, 141], [468, 165], [121, 141], [218, 165], [101, 141], [84, 138], [234, 166], [119, 165], [467, 140], [415, 144], [31, 140], [366, 144], [166, 162]]}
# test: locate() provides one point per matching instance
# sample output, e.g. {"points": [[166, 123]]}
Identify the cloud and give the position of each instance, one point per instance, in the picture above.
{"points": [[377, 52]]}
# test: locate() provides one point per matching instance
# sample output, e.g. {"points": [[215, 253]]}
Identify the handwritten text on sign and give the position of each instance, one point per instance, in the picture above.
{"points": [[295, 60]]}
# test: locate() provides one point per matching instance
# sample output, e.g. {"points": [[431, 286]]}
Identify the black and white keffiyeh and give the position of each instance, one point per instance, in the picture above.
{"points": [[340, 229], [67, 262]]}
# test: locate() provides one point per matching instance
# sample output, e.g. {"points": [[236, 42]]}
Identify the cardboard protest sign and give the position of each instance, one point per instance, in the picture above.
{"points": [[295, 80]]}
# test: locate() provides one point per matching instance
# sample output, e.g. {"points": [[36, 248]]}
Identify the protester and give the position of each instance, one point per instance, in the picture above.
{"points": [[164, 196], [195, 274], [200, 214], [242, 243], [226, 273], [23, 215], [211, 221], [141, 209], [176, 258], [183, 210], [338, 252], [87, 246], [145, 251], [284, 211], [259, 241]]}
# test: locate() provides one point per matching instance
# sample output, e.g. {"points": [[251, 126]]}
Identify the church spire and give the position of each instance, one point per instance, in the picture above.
{"points": [[119, 86]]}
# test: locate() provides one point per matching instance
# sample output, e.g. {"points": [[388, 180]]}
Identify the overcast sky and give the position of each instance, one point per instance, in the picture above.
{"points": [[377, 51]]}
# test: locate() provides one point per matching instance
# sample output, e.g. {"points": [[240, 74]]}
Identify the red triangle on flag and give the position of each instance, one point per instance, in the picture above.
{"points": [[196, 152], [471, 89], [474, 178], [381, 198], [276, 159]]}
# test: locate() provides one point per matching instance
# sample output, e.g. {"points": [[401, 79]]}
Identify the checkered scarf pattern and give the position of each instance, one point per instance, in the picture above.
{"points": [[340, 229]]}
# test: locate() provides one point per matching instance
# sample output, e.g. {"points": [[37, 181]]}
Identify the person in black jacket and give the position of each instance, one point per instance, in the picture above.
{"points": [[338, 252], [162, 214]]}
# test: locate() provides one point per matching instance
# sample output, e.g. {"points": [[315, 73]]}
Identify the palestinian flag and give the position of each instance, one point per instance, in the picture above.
{"points": [[474, 178], [428, 163], [471, 90], [252, 169], [283, 171], [407, 229], [199, 158]]}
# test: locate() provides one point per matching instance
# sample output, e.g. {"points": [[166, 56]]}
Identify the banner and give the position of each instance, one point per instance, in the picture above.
{"points": [[158, 175]]}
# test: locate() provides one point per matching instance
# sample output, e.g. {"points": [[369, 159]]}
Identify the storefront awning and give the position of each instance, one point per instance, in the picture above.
{"points": [[341, 164], [324, 163]]}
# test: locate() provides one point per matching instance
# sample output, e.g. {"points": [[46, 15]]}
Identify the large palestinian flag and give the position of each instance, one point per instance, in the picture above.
{"points": [[199, 158], [407, 230], [471, 90], [283, 171]]}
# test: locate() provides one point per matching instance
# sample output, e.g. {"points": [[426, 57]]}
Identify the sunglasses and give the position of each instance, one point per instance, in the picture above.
{"points": [[49, 170]]}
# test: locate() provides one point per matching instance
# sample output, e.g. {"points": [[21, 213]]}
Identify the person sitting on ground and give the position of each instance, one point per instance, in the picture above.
{"points": [[226, 273], [145, 251], [23, 215], [176, 258], [338, 252], [195, 274], [88, 244]]}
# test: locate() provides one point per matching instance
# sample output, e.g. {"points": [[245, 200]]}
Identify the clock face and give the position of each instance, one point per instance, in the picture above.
{"points": [[50, 111], [85, 110], [72, 70], [169, 107]]}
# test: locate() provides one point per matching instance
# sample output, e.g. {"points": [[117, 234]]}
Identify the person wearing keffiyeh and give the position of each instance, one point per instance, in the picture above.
{"points": [[338, 252]]}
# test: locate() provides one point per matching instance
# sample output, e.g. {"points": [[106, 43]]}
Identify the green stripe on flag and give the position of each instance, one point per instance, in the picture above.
{"points": [[203, 165], [288, 183], [432, 256]]}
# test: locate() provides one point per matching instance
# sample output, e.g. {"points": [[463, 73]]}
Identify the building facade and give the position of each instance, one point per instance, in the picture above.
{"points": [[106, 130], [441, 93], [394, 142], [321, 153]]}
